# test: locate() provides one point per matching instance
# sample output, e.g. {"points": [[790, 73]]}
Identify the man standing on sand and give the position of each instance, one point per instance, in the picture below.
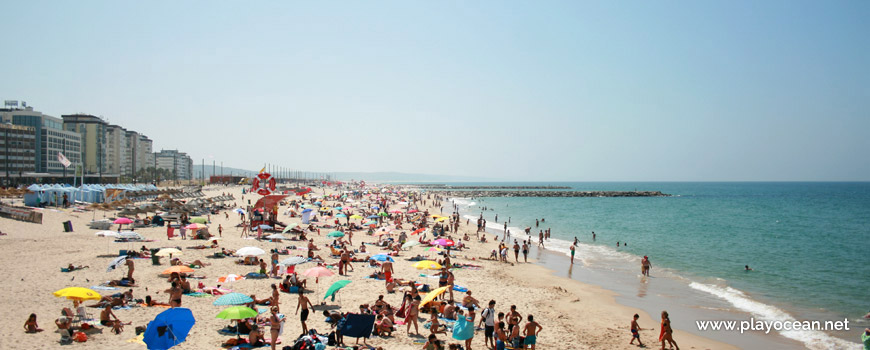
{"points": [[303, 303], [541, 239], [387, 270], [634, 331], [130, 268], [487, 317], [531, 332], [513, 319]]}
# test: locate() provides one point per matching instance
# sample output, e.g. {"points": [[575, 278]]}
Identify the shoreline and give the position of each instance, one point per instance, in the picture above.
{"points": [[671, 291]]}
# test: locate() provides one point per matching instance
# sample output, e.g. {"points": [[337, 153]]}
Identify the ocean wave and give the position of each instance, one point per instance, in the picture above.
{"points": [[815, 340]]}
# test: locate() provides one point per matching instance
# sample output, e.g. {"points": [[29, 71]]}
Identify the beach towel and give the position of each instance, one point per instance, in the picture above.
{"points": [[104, 288], [460, 288], [198, 295], [463, 330], [358, 326], [255, 275]]}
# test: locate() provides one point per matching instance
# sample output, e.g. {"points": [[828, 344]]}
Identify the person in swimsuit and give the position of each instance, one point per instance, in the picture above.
{"points": [[255, 338], [275, 295], [303, 303], [413, 311], [531, 332], [500, 337], [667, 333], [572, 254], [516, 251], [513, 318], [635, 328], [525, 252], [30, 326], [645, 266], [275, 326], [432, 343], [175, 295]]}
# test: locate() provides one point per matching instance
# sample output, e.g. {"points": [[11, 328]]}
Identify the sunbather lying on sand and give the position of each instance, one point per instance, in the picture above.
{"points": [[72, 268]]}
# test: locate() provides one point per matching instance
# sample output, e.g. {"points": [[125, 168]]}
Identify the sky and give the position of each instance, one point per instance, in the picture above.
{"points": [[512, 90]]}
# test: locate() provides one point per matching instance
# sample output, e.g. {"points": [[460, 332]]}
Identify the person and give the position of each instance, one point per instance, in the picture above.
{"points": [[303, 303], [635, 328], [175, 293], [487, 317], [384, 326], [500, 337], [469, 301], [449, 310], [30, 326], [572, 254], [275, 295], [220, 231], [531, 332], [275, 326], [432, 343], [151, 302], [255, 338], [130, 268], [413, 311], [513, 318], [667, 333], [645, 266], [746, 268], [63, 326], [463, 329], [865, 338], [117, 325], [525, 252], [436, 327], [516, 251], [387, 269]]}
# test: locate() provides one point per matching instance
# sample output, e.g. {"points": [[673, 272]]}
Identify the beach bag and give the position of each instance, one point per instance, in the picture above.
{"points": [[85, 326], [80, 337]]}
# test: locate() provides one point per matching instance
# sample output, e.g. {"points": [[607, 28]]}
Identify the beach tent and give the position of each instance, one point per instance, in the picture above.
{"points": [[358, 326]]}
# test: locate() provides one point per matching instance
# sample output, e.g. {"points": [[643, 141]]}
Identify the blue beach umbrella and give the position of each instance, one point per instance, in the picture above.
{"points": [[382, 257], [372, 217], [232, 299], [169, 328], [239, 211], [306, 210], [341, 216]]}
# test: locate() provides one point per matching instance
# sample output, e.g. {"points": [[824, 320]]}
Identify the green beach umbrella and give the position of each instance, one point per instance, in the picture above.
{"points": [[383, 214], [237, 313], [289, 227], [410, 244], [335, 234], [198, 220], [334, 288]]}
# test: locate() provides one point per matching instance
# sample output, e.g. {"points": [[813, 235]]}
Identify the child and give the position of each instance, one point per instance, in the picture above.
{"points": [[634, 331]]}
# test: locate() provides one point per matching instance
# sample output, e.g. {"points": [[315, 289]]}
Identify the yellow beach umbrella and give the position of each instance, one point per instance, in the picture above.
{"points": [[355, 216], [441, 219], [78, 293], [427, 264], [432, 295]]}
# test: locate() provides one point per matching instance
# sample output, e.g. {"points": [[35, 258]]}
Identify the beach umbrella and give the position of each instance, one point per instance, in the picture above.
{"points": [[355, 216], [370, 223], [117, 262], [441, 218], [335, 234], [341, 216], [107, 234], [78, 293], [276, 236], [168, 252], [383, 214], [382, 257], [432, 249], [382, 233], [122, 221], [318, 271], [169, 328], [237, 313], [418, 231], [338, 208], [412, 211], [250, 251], [177, 268], [432, 295], [443, 242], [427, 264], [289, 227], [195, 226], [334, 288], [410, 244], [372, 217], [199, 220], [130, 235], [229, 278], [239, 211], [395, 211], [232, 299], [294, 260]]}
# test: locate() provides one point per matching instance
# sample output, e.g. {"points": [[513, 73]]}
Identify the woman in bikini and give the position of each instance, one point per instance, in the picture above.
{"points": [[30, 325], [275, 326], [667, 333]]}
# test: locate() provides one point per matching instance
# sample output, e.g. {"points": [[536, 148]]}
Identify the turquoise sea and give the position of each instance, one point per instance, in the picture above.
{"points": [[807, 244]]}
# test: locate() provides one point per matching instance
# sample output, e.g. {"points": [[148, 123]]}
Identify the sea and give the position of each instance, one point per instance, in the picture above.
{"points": [[806, 242]]}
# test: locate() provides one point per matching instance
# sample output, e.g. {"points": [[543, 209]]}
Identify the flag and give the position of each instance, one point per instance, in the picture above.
{"points": [[60, 158], [263, 170]]}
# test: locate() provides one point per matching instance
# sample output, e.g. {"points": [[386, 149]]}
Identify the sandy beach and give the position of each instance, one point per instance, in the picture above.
{"points": [[574, 315]]}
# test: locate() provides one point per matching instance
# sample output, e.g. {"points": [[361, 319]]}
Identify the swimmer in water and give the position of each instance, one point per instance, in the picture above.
{"points": [[747, 268]]}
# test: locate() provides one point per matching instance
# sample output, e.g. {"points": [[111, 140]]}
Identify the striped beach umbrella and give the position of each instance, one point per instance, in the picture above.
{"points": [[232, 299]]}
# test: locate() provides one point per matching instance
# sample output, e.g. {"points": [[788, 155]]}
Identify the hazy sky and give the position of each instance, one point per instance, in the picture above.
{"points": [[521, 90]]}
